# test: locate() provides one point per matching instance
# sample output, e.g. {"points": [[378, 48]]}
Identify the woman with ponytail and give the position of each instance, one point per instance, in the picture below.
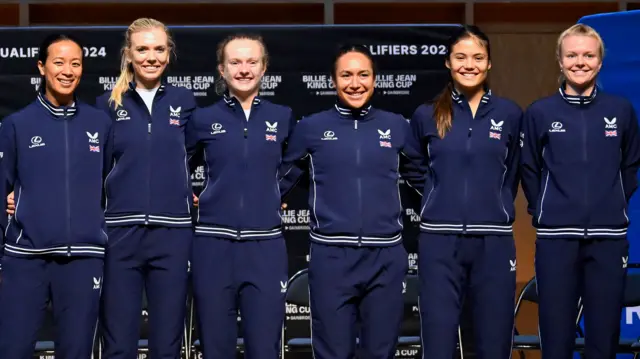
{"points": [[470, 139], [148, 199]]}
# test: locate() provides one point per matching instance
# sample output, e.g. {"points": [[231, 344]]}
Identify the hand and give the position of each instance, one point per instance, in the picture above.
{"points": [[195, 200], [283, 206], [11, 204]]}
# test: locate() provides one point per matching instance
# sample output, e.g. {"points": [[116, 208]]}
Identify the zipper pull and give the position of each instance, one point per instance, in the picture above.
{"points": [[149, 127], [245, 132]]}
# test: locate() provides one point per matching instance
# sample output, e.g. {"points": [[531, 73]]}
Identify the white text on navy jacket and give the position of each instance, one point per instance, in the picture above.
{"points": [[355, 159], [473, 170], [579, 164], [149, 182], [240, 199], [55, 160]]}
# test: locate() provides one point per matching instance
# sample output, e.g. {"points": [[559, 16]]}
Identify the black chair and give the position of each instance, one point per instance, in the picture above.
{"points": [[297, 294], [532, 341]]}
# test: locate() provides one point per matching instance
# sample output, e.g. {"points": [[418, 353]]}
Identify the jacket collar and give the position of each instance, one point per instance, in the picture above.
{"points": [[458, 97], [57, 111], [162, 88], [578, 100], [350, 112], [231, 101]]}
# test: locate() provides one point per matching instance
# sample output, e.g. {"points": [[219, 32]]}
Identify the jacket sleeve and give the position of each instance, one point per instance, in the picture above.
{"points": [[8, 171], [294, 163], [512, 162], [411, 160], [630, 155], [531, 160]]}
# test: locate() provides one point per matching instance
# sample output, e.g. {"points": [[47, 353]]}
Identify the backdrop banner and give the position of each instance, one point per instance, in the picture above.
{"points": [[620, 75], [411, 70]]}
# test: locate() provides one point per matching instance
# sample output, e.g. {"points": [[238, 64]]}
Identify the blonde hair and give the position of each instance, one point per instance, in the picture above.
{"points": [[221, 85], [126, 69], [578, 30]]}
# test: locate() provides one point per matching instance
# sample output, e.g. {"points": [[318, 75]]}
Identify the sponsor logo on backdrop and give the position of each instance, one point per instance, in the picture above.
{"points": [[395, 84], [295, 219], [415, 217], [35, 82], [268, 84], [107, 82], [295, 312], [413, 260], [319, 84], [197, 177], [403, 50], [632, 314], [406, 353], [197, 84], [32, 52]]}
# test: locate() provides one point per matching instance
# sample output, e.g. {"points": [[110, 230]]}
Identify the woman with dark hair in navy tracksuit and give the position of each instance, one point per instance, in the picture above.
{"points": [[580, 162], [356, 154], [470, 138], [55, 157]]}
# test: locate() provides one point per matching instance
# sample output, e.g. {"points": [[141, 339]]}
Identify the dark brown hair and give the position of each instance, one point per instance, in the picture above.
{"points": [[443, 103]]}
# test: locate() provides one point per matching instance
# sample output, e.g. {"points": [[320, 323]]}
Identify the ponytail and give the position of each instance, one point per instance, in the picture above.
{"points": [[122, 84], [443, 110]]}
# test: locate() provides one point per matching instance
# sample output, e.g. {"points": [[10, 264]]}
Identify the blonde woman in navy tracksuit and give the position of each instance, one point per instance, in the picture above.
{"points": [[580, 161], [470, 138], [356, 154]]}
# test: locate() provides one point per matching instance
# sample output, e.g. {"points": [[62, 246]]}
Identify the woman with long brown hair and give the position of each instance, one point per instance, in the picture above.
{"points": [[471, 142]]}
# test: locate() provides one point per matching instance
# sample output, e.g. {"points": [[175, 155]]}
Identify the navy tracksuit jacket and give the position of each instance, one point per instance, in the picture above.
{"points": [[467, 213], [148, 205], [355, 158], [239, 258], [54, 160], [579, 169]]}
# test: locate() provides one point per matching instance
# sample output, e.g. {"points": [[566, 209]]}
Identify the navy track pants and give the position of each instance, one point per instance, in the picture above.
{"points": [[154, 259], [73, 286], [569, 269], [353, 287], [246, 276], [454, 267]]}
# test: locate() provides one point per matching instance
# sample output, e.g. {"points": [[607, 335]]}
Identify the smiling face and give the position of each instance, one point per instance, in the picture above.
{"points": [[354, 79], [580, 60], [243, 66], [469, 64], [149, 55], [62, 71]]}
